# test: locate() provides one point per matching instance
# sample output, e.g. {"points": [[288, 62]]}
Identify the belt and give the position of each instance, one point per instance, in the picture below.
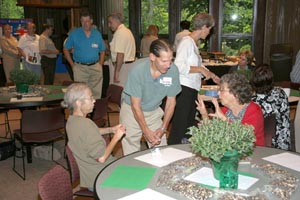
{"points": [[87, 64], [128, 62]]}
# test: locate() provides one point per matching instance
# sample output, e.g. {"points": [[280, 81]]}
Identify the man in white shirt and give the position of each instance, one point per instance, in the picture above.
{"points": [[185, 26], [29, 49], [122, 48]]}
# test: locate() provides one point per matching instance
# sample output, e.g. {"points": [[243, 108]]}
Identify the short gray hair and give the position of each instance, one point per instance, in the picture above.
{"points": [[202, 19], [117, 16], [74, 93]]}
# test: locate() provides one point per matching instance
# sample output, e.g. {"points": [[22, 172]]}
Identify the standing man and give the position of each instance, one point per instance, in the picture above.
{"points": [[29, 49], [87, 44], [149, 82], [122, 48], [10, 53], [48, 53]]}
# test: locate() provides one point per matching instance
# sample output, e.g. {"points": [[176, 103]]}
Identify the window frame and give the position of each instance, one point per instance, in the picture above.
{"points": [[250, 36]]}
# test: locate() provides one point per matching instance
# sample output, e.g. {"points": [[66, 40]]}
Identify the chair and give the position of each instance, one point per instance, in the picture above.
{"points": [[281, 61], [113, 95], [282, 48], [37, 127], [269, 129], [6, 122], [55, 185], [99, 112], [67, 82], [75, 175]]}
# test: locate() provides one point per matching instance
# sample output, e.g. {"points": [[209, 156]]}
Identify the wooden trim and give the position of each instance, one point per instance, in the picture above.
{"points": [[53, 3]]}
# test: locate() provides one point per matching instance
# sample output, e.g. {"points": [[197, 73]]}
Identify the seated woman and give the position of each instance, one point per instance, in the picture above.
{"points": [[85, 138], [235, 94], [272, 100], [244, 64]]}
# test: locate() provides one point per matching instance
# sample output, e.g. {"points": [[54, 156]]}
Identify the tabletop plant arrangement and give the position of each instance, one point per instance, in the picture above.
{"points": [[224, 143], [23, 78]]}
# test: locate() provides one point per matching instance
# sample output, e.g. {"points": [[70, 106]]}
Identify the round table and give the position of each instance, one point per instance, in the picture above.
{"points": [[49, 95], [108, 193]]}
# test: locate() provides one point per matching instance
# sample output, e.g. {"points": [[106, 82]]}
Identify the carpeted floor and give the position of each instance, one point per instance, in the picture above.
{"points": [[12, 187]]}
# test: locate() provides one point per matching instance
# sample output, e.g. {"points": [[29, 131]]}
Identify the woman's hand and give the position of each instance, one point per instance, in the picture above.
{"points": [[119, 130], [201, 107], [218, 113], [210, 75]]}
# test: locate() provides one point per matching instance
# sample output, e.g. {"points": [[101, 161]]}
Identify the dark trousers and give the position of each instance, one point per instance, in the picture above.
{"points": [[184, 115], [48, 66]]}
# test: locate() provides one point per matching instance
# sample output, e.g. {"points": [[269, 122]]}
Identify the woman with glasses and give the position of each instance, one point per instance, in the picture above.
{"points": [[85, 138], [235, 95]]}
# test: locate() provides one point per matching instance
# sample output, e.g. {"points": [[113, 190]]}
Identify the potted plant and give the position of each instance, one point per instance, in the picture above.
{"points": [[23, 78], [223, 143]]}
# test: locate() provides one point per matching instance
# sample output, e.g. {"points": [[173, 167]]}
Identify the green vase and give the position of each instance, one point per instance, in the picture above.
{"points": [[22, 88], [226, 170]]}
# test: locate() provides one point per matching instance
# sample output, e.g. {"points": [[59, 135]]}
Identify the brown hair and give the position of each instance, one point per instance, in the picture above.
{"points": [[262, 79]]}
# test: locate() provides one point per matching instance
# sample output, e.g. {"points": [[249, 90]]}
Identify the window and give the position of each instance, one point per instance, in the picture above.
{"points": [[9, 10], [237, 26], [155, 12], [189, 8], [126, 13]]}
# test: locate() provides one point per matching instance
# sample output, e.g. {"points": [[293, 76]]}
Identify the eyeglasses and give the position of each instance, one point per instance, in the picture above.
{"points": [[90, 98], [223, 90]]}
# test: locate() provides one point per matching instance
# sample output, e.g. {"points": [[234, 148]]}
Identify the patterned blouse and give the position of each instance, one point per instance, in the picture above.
{"points": [[276, 102]]}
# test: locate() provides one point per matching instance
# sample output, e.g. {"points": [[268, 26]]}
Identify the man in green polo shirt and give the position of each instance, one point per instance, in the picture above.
{"points": [[149, 82]]}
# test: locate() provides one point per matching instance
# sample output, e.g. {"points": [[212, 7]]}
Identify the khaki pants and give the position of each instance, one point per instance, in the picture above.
{"points": [[91, 75], [132, 140], [123, 73]]}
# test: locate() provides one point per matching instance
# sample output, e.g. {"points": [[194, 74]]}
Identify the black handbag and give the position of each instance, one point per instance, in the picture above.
{"points": [[7, 148]]}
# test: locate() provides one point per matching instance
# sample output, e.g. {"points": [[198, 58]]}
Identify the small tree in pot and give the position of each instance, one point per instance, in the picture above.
{"points": [[218, 140], [23, 78]]}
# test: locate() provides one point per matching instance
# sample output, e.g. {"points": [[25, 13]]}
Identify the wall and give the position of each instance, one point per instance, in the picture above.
{"points": [[282, 25]]}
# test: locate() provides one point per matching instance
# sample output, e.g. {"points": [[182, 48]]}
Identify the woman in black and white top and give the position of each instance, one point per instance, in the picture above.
{"points": [[272, 100]]}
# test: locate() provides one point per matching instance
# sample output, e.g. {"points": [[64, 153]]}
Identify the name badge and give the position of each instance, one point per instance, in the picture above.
{"points": [[94, 45], [167, 81]]}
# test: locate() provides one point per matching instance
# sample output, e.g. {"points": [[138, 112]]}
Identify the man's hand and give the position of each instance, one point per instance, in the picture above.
{"points": [[152, 138]]}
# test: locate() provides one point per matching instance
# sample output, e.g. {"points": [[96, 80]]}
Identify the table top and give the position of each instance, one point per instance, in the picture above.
{"points": [[218, 64], [110, 192], [294, 94], [38, 95]]}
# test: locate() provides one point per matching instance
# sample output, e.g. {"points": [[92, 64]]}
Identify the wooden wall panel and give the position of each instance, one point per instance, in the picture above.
{"points": [[282, 25]]}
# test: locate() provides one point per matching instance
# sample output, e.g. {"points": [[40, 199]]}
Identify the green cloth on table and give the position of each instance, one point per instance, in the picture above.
{"points": [[295, 93], [129, 177], [56, 96]]}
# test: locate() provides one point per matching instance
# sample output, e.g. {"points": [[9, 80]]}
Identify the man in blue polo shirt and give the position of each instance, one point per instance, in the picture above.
{"points": [[149, 82], [88, 54]]}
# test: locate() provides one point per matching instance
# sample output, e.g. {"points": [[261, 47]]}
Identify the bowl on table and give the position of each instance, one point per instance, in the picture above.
{"points": [[211, 93]]}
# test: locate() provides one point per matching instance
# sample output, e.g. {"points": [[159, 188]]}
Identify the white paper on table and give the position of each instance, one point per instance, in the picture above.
{"points": [[147, 194], [205, 176], [161, 157], [26, 99], [288, 160]]}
